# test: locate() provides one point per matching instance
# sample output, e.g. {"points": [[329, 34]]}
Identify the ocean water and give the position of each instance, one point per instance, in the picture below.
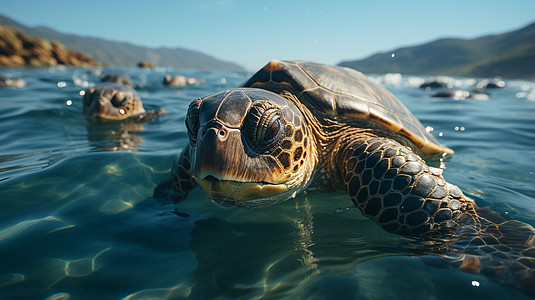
{"points": [[78, 218]]}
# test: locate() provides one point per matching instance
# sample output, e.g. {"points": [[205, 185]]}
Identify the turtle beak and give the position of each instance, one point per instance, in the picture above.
{"points": [[220, 168], [96, 110], [239, 191], [223, 169], [212, 154], [99, 106]]}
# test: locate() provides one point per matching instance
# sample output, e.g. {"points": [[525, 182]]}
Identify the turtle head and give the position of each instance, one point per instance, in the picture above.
{"points": [[249, 147], [108, 103]]}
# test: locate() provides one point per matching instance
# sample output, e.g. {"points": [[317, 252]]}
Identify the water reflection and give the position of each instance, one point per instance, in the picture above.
{"points": [[122, 136]]}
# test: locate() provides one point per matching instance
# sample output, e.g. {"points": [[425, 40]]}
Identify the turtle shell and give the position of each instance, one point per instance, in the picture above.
{"points": [[345, 92]]}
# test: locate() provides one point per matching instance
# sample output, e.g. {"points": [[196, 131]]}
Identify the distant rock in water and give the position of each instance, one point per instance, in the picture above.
{"points": [[460, 95], [18, 49], [118, 79], [145, 64], [7, 82], [180, 80], [489, 84], [435, 84]]}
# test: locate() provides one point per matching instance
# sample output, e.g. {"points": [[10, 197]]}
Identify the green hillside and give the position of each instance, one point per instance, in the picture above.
{"points": [[125, 54], [509, 55]]}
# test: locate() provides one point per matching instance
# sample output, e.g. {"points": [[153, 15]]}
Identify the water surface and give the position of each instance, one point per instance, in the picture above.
{"points": [[78, 215]]}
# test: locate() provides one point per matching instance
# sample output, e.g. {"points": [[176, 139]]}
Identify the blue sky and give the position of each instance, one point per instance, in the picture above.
{"points": [[251, 32]]}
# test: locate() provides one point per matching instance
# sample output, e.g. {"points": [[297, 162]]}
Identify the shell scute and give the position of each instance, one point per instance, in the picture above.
{"points": [[346, 92]]}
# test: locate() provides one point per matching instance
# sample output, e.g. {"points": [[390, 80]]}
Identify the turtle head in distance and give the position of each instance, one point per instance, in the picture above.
{"points": [[115, 102], [249, 147]]}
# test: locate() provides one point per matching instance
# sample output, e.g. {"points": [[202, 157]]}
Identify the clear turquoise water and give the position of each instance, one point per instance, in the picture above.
{"points": [[78, 218]]}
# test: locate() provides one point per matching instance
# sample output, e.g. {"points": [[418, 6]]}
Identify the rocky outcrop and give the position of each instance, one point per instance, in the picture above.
{"points": [[145, 64], [18, 49]]}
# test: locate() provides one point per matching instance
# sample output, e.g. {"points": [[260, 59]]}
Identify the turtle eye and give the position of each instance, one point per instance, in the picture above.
{"points": [[272, 129], [118, 100], [262, 127]]}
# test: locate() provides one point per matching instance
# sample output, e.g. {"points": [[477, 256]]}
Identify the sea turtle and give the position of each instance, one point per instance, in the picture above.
{"points": [[297, 125], [115, 102]]}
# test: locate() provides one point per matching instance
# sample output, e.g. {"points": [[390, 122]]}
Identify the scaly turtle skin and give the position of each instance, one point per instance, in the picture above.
{"points": [[296, 126], [109, 103]]}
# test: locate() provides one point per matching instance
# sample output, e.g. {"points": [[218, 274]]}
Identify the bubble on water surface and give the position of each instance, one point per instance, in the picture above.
{"points": [[81, 83]]}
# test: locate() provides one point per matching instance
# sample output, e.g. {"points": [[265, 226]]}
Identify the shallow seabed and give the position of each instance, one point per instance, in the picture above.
{"points": [[78, 218]]}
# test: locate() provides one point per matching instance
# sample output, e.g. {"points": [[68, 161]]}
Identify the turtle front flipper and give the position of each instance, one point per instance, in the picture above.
{"points": [[149, 115], [396, 188], [181, 183]]}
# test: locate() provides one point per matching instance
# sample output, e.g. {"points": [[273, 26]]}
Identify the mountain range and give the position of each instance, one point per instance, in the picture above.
{"points": [[507, 55], [125, 54]]}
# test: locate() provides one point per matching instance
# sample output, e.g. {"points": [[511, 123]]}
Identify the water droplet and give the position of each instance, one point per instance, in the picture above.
{"points": [[393, 55], [440, 134], [475, 283], [62, 84], [429, 128], [223, 80], [122, 111], [82, 92], [69, 102]]}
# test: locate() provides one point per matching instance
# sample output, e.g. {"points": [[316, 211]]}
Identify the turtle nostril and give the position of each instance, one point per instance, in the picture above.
{"points": [[222, 134]]}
